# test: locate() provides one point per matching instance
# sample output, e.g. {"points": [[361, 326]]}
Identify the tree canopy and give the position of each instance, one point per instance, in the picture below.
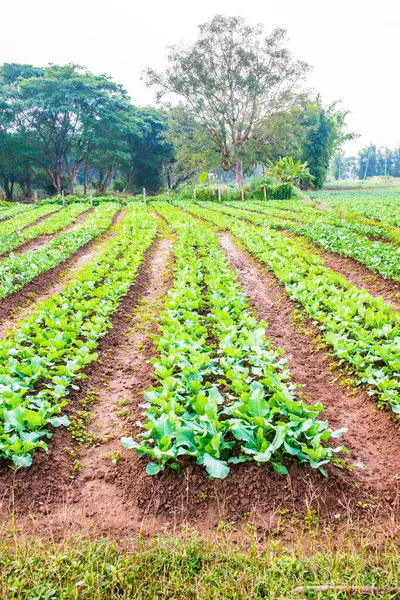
{"points": [[230, 80]]}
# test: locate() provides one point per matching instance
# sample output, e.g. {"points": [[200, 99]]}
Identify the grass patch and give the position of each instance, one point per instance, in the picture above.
{"points": [[187, 567]]}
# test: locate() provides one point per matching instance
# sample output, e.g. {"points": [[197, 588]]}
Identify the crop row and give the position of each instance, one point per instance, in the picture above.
{"points": [[41, 360], [57, 221], [223, 393], [382, 205], [363, 331], [381, 258], [19, 269], [8, 210], [340, 217], [25, 218]]}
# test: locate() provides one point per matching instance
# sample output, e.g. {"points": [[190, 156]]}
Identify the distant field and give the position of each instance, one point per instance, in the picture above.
{"points": [[370, 182]]}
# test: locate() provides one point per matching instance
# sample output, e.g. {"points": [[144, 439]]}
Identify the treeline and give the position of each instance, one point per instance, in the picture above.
{"points": [[63, 128], [61, 125], [372, 161]]}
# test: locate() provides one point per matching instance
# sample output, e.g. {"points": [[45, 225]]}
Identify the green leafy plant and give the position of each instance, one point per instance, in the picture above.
{"points": [[42, 360], [224, 395], [363, 331]]}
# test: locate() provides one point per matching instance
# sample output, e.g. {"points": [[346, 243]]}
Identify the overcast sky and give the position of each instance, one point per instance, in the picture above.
{"points": [[353, 45]]}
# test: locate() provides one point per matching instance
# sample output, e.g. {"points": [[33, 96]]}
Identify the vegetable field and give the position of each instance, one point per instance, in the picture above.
{"points": [[179, 362]]}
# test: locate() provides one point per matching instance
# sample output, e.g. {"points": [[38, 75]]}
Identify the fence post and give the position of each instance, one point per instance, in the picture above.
{"points": [[91, 198], [219, 194], [194, 194], [169, 195], [242, 193], [265, 192], [63, 197], [35, 197], [144, 195]]}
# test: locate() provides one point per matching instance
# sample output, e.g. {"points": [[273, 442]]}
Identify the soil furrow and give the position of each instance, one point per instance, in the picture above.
{"points": [[373, 438], [355, 272], [20, 305]]}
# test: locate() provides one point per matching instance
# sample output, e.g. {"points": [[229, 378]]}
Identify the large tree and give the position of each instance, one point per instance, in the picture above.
{"points": [[231, 79], [67, 109]]}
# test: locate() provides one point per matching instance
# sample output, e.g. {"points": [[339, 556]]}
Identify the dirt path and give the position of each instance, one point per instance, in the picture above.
{"points": [[373, 438], [20, 305]]}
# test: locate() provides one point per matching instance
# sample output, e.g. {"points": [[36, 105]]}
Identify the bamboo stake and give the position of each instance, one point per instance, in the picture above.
{"points": [[242, 193], [265, 192], [219, 194]]}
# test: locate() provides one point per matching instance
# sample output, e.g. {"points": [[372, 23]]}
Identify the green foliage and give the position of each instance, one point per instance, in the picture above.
{"points": [[12, 237], [380, 205], [41, 361], [208, 568], [287, 171], [363, 331], [223, 394], [324, 135], [18, 269], [284, 191], [331, 232], [231, 61]]}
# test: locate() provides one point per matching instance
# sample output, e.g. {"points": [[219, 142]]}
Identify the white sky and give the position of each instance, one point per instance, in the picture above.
{"points": [[353, 45]]}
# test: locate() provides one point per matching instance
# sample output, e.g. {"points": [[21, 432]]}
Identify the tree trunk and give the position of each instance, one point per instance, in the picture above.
{"points": [[366, 167], [56, 177], [28, 181], [8, 188], [238, 170], [85, 177], [72, 178], [129, 183], [106, 182]]}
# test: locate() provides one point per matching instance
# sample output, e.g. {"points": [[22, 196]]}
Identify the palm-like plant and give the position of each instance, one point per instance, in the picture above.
{"points": [[287, 171]]}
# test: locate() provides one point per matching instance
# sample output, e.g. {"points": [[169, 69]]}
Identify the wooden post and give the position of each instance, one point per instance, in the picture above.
{"points": [[63, 197], [219, 194], [144, 195], [265, 192], [91, 198], [169, 195], [35, 197], [242, 193], [194, 194]]}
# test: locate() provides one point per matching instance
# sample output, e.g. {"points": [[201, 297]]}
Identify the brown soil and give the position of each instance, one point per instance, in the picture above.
{"points": [[121, 500], [49, 496], [373, 437], [21, 304], [354, 272]]}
